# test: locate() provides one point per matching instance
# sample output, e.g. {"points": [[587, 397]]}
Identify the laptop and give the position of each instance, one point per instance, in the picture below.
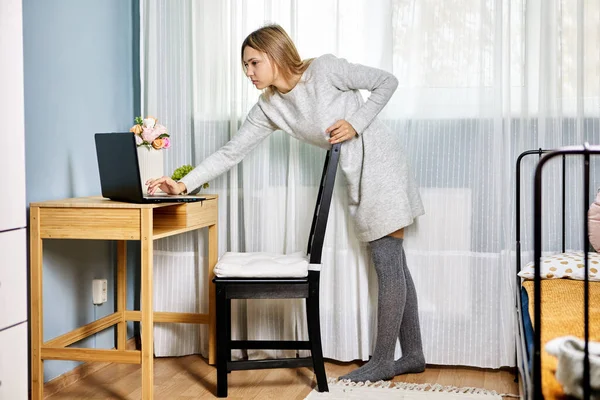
{"points": [[120, 172]]}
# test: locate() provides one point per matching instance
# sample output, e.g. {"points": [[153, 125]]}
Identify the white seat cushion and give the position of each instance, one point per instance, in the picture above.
{"points": [[262, 265]]}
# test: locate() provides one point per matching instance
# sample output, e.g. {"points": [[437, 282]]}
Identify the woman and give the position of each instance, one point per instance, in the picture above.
{"points": [[318, 101]]}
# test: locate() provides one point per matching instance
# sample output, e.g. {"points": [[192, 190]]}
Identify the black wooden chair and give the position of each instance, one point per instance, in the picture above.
{"points": [[249, 286]]}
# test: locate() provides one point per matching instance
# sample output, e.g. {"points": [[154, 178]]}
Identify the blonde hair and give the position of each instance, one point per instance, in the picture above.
{"points": [[279, 47]]}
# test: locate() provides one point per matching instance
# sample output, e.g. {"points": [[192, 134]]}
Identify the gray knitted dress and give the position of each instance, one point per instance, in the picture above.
{"points": [[382, 193]]}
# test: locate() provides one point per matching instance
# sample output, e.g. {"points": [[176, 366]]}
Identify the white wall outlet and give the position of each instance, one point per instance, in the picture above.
{"points": [[99, 291]]}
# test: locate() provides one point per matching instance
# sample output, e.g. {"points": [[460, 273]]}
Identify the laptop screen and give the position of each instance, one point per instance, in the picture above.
{"points": [[118, 166]]}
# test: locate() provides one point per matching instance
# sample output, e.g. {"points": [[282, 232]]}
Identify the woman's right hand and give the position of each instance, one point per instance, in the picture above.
{"points": [[165, 184]]}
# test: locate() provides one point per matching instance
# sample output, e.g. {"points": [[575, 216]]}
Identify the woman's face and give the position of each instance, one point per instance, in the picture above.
{"points": [[259, 68]]}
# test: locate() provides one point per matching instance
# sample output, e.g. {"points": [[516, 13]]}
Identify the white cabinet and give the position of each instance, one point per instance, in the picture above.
{"points": [[13, 363], [13, 247], [13, 278], [12, 150]]}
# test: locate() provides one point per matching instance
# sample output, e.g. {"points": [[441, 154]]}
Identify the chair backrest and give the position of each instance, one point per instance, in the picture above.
{"points": [[319, 222]]}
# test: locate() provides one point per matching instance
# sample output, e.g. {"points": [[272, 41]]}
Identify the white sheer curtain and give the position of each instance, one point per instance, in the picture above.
{"points": [[480, 81]]}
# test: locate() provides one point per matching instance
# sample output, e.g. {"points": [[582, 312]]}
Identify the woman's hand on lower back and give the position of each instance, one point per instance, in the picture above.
{"points": [[340, 131], [165, 184]]}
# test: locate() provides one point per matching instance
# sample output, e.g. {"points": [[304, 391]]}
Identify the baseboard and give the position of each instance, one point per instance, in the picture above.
{"points": [[81, 371]]}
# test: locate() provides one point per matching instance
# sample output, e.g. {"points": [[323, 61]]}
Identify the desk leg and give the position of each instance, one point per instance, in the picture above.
{"points": [[121, 293], [147, 245], [36, 318], [213, 249]]}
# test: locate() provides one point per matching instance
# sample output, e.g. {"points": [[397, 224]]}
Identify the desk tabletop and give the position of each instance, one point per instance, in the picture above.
{"points": [[101, 202]]}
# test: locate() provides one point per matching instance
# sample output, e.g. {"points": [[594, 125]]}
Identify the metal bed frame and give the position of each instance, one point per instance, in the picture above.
{"points": [[532, 379]]}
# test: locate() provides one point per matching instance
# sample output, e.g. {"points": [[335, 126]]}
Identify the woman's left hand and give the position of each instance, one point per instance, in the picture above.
{"points": [[340, 131]]}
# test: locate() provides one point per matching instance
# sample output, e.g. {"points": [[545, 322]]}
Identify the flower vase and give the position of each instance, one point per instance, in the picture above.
{"points": [[151, 165]]}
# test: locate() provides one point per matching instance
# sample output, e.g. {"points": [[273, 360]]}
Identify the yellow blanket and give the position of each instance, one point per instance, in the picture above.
{"points": [[562, 314]]}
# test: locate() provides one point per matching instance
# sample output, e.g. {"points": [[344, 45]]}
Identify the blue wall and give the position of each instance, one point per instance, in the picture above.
{"points": [[80, 78]]}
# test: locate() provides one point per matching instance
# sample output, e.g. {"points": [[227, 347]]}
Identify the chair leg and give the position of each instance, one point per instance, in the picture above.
{"points": [[228, 312], [222, 340], [314, 334]]}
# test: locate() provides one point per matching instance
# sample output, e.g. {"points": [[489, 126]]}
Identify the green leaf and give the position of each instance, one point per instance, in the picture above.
{"points": [[164, 135]]}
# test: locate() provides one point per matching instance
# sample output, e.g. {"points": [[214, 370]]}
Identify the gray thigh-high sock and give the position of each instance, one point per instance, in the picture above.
{"points": [[412, 360], [387, 257]]}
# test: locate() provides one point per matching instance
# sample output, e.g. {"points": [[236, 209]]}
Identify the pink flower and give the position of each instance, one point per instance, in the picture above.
{"points": [[138, 140], [167, 143], [149, 134], [160, 130]]}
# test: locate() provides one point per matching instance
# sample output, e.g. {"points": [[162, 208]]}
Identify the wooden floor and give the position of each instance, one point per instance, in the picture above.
{"points": [[191, 377]]}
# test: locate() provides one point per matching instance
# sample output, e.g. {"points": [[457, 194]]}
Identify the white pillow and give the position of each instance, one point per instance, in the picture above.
{"points": [[565, 265]]}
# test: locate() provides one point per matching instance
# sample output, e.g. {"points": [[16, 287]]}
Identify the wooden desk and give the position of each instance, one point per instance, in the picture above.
{"points": [[99, 218]]}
